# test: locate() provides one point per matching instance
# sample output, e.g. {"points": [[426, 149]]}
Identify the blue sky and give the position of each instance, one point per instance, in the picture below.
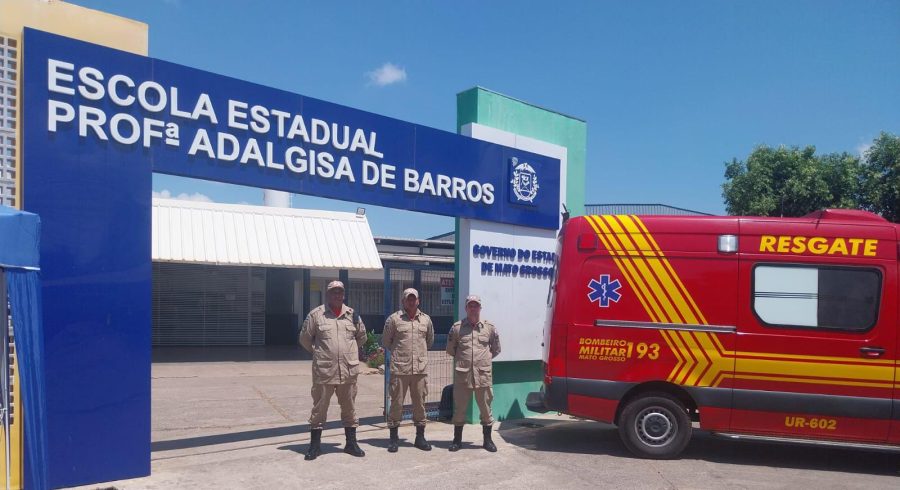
{"points": [[670, 90]]}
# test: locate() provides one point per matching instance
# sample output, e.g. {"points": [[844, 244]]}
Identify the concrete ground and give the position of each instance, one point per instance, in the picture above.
{"points": [[234, 423]]}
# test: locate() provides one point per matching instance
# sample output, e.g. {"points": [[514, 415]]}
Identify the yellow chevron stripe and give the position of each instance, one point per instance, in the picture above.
{"points": [[865, 373], [654, 310], [719, 365], [622, 268], [801, 357], [641, 265], [794, 368], [678, 377], [631, 270], [659, 251], [657, 265], [685, 301], [654, 278], [718, 344], [670, 292], [883, 374], [701, 363], [667, 336]]}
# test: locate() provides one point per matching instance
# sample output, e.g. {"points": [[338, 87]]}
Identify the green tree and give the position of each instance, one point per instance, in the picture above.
{"points": [[789, 182], [880, 177], [842, 173]]}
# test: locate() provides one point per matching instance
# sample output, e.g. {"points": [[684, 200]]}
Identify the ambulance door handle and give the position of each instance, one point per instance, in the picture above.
{"points": [[871, 352]]}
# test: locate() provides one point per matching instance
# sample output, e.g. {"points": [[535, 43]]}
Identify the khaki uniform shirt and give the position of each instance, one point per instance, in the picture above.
{"points": [[408, 339], [474, 347], [334, 342]]}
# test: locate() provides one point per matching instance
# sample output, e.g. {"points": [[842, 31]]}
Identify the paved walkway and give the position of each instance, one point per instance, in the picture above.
{"points": [[237, 424]]}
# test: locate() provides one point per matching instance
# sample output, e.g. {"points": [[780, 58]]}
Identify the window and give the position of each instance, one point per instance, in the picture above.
{"points": [[841, 298]]}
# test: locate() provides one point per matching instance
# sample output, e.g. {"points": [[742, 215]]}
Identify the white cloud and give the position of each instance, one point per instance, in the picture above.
{"points": [[387, 74], [165, 194], [862, 148]]}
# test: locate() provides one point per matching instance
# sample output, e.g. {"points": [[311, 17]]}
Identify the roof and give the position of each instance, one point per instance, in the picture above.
{"points": [[417, 259], [643, 209], [19, 239], [846, 215], [450, 236], [232, 234], [415, 242]]}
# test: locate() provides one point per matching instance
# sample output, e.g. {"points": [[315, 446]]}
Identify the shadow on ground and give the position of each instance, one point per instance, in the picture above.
{"points": [[367, 440], [327, 448], [248, 435], [587, 437]]}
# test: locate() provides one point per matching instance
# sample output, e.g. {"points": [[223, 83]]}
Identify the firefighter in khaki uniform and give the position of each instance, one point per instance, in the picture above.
{"points": [[473, 343], [408, 334], [333, 333]]}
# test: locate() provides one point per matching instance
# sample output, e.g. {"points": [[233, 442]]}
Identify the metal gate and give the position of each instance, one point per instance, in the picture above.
{"points": [[205, 305], [436, 287]]}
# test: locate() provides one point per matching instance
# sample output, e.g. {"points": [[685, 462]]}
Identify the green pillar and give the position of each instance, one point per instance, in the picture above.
{"points": [[482, 106], [513, 380]]}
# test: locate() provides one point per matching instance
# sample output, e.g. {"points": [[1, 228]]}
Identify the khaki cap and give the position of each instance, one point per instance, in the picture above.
{"points": [[473, 298], [335, 284], [408, 291]]}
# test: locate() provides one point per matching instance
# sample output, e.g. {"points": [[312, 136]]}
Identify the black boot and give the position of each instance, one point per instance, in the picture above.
{"points": [[457, 438], [421, 443], [395, 441], [488, 443], [315, 445], [351, 447]]}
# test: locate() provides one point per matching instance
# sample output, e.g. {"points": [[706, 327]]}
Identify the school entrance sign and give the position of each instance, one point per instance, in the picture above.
{"points": [[98, 122], [182, 121]]}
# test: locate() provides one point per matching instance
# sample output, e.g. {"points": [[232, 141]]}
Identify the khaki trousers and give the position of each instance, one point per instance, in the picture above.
{"points": [[321, 395], [462, 394], [417, 384]]}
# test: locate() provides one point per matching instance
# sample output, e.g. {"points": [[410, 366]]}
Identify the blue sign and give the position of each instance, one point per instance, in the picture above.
{"points": [[97, 122], [192, 123]]}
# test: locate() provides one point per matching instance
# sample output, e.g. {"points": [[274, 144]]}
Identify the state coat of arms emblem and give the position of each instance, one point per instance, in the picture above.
{"points": [[524, 181]]}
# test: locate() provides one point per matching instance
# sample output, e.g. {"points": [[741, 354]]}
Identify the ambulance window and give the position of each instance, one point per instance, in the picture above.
{"points": [[818, 297]]}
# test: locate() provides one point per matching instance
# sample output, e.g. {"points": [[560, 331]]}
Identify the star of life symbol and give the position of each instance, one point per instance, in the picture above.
{"points": [[604, 291], [525, 181]]}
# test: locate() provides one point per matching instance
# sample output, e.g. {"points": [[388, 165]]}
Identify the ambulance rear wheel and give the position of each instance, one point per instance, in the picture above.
{"points": [[655, 426]]}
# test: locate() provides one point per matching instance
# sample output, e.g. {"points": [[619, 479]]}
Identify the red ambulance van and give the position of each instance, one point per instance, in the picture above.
{"points": [[758, 328]]}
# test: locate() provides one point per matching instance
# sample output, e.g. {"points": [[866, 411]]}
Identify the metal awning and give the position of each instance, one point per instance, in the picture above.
{"points": [[232, 234], [417, 259]]}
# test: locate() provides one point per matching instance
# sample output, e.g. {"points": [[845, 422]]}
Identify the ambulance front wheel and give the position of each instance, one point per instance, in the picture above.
{"points": [[655, 426]]}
